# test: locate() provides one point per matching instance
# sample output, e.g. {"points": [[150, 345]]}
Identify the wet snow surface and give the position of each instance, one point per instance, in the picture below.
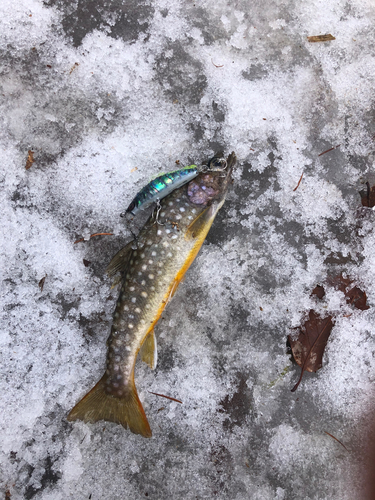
{"points": [[108, 94]]}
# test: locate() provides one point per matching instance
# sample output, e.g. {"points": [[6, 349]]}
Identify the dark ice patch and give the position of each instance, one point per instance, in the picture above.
{"points": [[49, 477], [238, 405], [119, 18], [181, 76], [255, 72]]}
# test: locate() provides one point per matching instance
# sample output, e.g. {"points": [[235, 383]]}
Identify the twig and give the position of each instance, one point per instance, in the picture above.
{"points": [[217, 65], [299, 182], [168, 397], [328, 150], [333, 437], [95, 234]]}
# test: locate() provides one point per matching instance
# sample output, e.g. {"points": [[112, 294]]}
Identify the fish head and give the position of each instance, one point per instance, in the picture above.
{"points": [[211, 185]]}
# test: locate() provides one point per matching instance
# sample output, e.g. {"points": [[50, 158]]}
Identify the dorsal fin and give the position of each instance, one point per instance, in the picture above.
{"points": [[149, 350], [119, 263]]}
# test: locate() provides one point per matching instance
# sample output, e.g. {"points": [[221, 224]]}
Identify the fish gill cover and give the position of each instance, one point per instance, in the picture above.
{"points": [[96, 99]]}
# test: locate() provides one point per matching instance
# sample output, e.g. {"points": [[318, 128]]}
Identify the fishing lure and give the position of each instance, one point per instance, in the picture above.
{"points": [[160, 187], [151, 269]]}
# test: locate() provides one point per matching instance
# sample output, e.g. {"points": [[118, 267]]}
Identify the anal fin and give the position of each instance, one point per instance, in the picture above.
{"points": [[149, 350]]}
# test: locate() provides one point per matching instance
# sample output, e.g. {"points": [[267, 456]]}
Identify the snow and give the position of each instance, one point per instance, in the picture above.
{"points": [[110, 94]]}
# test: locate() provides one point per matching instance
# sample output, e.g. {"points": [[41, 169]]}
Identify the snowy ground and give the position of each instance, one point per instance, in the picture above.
{"points": [[109, 93]]}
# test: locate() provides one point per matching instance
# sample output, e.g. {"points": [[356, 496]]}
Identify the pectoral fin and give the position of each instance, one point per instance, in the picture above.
{"points": [[120, 261], [200, 226], [149, 350]]}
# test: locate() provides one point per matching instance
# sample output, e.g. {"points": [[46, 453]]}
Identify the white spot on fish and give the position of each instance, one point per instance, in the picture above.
{"points": [[170, 203], [153, 254], [134, 300], [137, 310], [167, 231], [126, 308], [142, 255], [131, 288], [150, 261], [158, 232], [151, 276], [144, 294], [128, 348], [182, 209], [130, 325], [166, 244], [143, 282], [174, 236], [144, 267]]}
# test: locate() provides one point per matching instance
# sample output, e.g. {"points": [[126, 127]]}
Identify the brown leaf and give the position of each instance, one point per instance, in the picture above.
{"points": [[354, 295], [321, 38], [41, 283], [318, 291], [30, 159], [309, 346], [368, 196]]}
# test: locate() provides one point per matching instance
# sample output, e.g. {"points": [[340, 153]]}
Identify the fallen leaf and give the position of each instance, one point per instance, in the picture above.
{"points": [[353, 294], [321, 38], [318, 291], [30, 159], [41, 283], [309, 346], [368, 196]]}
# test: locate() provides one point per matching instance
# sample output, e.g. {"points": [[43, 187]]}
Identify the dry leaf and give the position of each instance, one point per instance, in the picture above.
{"points": [[368, 196], [354, 295], [41, 283], [30, 159], [318, 291], [321, 38], [309, 346]]}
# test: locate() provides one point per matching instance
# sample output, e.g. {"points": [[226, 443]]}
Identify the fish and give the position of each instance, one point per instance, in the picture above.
{"points": [[151, 268], [160, 187]]}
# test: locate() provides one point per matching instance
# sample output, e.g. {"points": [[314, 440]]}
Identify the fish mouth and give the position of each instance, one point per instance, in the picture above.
{"points": [[212, 183]]}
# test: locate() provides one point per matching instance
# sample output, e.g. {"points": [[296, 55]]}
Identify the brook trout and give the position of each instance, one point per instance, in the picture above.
{"points": [[151, 267]]}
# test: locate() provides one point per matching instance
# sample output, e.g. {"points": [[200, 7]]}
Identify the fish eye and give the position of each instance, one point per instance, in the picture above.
{"points": [[217, 164]]}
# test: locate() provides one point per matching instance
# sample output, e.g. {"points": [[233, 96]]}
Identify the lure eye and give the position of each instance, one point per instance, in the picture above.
{"points": [[217, 164]]}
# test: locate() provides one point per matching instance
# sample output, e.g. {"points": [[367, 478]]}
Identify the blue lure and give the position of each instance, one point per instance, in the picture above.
{"points": [[160, 187]]}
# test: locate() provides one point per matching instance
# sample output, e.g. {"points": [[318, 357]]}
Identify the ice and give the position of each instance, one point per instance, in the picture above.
{"points": [[109, 94]]}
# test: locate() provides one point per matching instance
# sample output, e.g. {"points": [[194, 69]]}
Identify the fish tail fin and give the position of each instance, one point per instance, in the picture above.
{"points": [[126, 410]]}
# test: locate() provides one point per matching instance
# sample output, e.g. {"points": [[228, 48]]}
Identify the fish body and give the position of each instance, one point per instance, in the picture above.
{"points": [[151, 269], [160, 187]]}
